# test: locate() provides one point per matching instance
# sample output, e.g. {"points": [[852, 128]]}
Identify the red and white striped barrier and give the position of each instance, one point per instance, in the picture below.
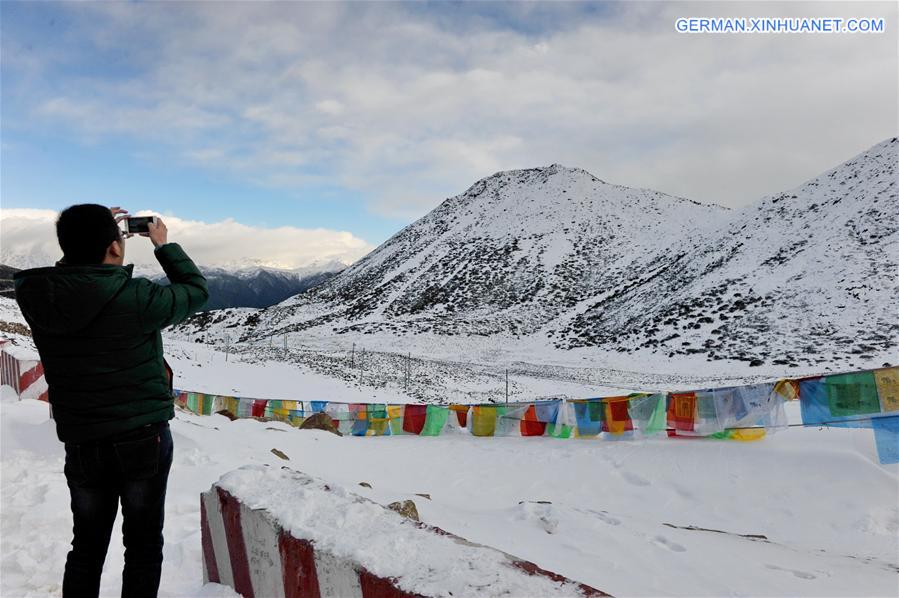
{"points": [[282, 534], [22, 371]]}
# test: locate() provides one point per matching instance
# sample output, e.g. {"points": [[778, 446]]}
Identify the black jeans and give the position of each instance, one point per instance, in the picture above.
{"points": [[133, 467]]}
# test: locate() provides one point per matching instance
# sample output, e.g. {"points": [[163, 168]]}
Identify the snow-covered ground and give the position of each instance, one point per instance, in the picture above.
{"points": [[331, 374], [615, 519]]}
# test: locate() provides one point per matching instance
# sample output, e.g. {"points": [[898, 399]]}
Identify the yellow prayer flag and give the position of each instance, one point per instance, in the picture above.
{"points": [[483, 422], [788, 389], [887, 381], [746, 435]]}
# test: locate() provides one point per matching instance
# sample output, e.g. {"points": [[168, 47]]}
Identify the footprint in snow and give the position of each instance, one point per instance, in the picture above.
{"points": [[632, 478], [683, 492], [799, 574], [666, 543], [605, 517]]}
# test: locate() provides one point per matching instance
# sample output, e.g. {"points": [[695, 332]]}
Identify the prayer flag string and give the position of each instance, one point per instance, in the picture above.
{"points": [[863, 399]]}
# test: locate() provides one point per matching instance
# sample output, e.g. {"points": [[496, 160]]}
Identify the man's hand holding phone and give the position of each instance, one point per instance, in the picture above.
{"points": [[158, 232], [145, 226]]}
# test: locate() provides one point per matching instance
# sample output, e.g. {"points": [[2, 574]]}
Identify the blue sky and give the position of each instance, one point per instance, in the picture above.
{"points": [[361, 117], [54, 171], [48, 165]]}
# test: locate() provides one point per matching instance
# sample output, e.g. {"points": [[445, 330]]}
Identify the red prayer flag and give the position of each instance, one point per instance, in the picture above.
{"points": [[530, 425], [461, 414], [682, 411], [259, 408], [414, 418], [617, 420]]}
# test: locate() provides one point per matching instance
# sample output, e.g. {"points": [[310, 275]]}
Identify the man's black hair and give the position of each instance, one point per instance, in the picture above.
{"points": [[84, 232]]}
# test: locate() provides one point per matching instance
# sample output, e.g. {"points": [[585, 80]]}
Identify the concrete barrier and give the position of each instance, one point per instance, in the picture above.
{"points": [[279, 533], [23, 371]]}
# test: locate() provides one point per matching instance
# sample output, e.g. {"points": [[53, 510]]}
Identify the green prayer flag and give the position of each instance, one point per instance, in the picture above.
{"points": [[649, 413], [558, 430], [435, 420], [852, 394], [192, 402]]}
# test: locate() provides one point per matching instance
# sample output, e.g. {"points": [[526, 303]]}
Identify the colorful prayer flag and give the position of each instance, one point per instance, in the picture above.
{"points": [[531, 424], [886, 438], [244, 408], [682, 411], [617, 420], [483, 420], [378, 423], [414, 418], [788, 389], [852, 394], [649, 413], [435, 420], [815, 404], [508, 419], [563, 426], [259, 408], [589, 414], [887, 381], [461, 412], [395, 414]]}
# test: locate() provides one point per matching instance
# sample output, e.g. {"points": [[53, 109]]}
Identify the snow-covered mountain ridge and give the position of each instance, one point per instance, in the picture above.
{"points": [[512, 253], [555, 256], [260, 287]]}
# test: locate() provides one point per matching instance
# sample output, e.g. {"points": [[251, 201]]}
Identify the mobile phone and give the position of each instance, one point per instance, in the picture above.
{"points": [[138, 224]]}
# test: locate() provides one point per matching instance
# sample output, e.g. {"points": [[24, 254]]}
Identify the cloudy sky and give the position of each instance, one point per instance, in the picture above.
{"points": [[324, 128]]}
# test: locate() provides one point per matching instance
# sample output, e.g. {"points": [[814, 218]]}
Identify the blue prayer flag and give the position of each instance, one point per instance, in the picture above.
{"points": [[886, 438]]}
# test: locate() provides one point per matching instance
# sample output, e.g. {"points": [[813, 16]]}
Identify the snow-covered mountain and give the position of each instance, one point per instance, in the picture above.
{"points": [[796, 277], [261, 287], [556, 255], [513, 253]]}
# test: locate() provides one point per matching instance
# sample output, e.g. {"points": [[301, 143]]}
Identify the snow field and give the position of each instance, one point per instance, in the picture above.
{"points": [[828, 510]]}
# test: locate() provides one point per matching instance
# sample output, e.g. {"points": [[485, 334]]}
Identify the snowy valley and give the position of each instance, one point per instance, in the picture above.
{"points": [[554, 267], [564, 286]]}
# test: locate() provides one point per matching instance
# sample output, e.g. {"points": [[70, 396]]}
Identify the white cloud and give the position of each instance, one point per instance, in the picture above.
{"points": [[332, 107], [407, 109], [29, 239]]}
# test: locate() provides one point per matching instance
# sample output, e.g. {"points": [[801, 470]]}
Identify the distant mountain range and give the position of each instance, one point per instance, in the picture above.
{"points": [[260, 287], [554, 255], [245, 287]]}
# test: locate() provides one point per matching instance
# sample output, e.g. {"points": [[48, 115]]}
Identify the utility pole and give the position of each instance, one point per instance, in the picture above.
{"points": [[285, 343], [227, 346], [408, 370], [507, 385], [353, 356]]}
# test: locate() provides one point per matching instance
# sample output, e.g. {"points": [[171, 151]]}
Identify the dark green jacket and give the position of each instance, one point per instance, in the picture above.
{"points": [[97, 331]]}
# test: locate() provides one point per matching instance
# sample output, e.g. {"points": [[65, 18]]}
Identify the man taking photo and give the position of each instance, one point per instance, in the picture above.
{"points": [[97, 330]]}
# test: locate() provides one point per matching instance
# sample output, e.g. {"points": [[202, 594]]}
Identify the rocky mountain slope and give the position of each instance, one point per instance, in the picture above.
{"points": [[7, 288], [512, 253], [556, 256], [797, 277]]}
